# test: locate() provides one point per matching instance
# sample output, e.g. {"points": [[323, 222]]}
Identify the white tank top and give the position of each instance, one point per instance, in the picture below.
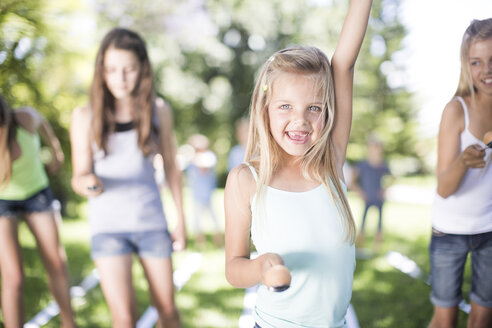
{"points": [[131, 201], [469, 210], [304, 229]]}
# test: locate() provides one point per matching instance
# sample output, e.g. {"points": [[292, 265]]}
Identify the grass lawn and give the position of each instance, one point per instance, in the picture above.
{"points": [[382, 296]]}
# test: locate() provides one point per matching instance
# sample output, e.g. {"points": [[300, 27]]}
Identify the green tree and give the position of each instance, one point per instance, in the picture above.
{"points": [[208, 54], [36, 70], [382, 105], [205, 57]]}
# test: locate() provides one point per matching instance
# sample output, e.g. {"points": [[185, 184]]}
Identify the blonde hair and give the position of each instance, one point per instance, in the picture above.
{"points": [[478, 30], [318, 163], [7, 136]]}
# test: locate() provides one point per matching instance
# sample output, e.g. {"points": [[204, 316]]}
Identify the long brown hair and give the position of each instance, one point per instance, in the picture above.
{"points": [[478, 30], [7, 136], [102, 101], [318, 163]]}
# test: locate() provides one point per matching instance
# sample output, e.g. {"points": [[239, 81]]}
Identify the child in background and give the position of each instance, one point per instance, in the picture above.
{"points": [[290, 197], [202, 179], [236, 155], [462, 208], [25, 193], [114, 140], [367, 182]]}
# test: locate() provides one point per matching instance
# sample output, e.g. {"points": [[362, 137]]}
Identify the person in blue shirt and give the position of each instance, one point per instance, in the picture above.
{"points": [[202, 179], [236, 155], [368, 183]]}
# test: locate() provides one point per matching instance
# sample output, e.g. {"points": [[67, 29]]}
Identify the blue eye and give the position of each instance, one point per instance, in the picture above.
{"points": [[315, 108], [285, 106]]}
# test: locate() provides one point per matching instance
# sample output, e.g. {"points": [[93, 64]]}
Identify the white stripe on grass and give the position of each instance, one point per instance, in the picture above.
{"points": [[52, 309], [180, 276], [409, 267]]}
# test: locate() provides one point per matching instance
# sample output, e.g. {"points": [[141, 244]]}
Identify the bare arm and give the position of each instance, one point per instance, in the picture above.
{"points": [[49, 139], [343, 61], [83, 178], [452, 164], [173, 173], [241, 271], [33, 120]]}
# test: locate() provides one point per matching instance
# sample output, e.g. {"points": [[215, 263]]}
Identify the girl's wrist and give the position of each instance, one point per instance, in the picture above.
{"points": [[461, 162]]}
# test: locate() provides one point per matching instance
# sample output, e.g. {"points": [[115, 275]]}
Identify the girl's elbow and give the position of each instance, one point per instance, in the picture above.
{"points": [[233, 278], [343, 64], [230, 277], [443, 192]]}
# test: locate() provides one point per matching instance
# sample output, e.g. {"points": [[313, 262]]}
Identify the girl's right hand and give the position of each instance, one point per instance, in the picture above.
{"points": [[92, 185], [275, 274], [473, 156]]}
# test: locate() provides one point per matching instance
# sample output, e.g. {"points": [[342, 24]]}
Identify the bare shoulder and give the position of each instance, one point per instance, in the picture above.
{"points": [[82, 116], [453, 119], [82, 112], [242, 178], [453, 116], [28, 118]]}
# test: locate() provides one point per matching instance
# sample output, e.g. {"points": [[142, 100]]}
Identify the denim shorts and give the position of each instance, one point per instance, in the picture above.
{"points": [[41, 201], [448, 253], [146, 244]]}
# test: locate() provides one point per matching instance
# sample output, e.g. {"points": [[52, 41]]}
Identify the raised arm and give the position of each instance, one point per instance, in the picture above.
{"points": [[173, 172], [343, 61]]}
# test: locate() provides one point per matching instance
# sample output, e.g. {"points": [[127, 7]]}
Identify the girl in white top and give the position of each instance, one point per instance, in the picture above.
{"points": [[462, 210], [292, 198]]}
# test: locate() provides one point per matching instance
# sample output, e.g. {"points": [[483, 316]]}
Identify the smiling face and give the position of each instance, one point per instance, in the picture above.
{"points": [[480, 61], [295, 113], [121, 72]]}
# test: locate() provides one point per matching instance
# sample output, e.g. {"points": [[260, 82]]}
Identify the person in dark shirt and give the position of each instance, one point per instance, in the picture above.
{"points": [[367, 182]]}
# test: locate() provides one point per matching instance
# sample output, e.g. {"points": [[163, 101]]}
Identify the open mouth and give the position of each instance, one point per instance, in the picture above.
{"points": [[298, 136]]}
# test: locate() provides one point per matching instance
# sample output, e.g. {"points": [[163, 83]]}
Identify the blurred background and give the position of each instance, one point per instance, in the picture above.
{"points": [[205, 54]]}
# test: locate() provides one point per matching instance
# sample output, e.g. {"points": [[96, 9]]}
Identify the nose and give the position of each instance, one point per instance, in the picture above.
{"points": [[122, 75], [299, 118]]}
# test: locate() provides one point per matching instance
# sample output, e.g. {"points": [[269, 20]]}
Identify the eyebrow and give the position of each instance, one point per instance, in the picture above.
{"points": [[124, 66], [289, 101]]}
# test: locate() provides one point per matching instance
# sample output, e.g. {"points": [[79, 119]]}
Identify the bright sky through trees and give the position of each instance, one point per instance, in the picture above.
{"points": [[432, 51]]}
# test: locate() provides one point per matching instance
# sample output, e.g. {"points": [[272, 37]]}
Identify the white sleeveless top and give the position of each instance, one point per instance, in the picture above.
{"points": [[131, 201], [469, 210], [304, 229]]}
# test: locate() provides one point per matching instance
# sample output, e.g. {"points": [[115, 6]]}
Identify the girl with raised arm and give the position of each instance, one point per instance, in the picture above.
{"points": [[290, 196]]}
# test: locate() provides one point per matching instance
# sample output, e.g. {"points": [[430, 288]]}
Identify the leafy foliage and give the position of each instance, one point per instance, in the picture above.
{"points": [[205, 56]]}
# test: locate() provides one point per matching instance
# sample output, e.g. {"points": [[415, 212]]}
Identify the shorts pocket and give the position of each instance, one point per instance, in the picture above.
{"points": [[437, 233]]}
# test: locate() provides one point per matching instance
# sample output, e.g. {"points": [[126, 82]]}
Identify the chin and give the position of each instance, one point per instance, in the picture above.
{"points": [[121, 95]]}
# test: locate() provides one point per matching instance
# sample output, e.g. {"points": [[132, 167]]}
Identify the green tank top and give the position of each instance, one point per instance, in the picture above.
{"points": [[28, 174]]}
